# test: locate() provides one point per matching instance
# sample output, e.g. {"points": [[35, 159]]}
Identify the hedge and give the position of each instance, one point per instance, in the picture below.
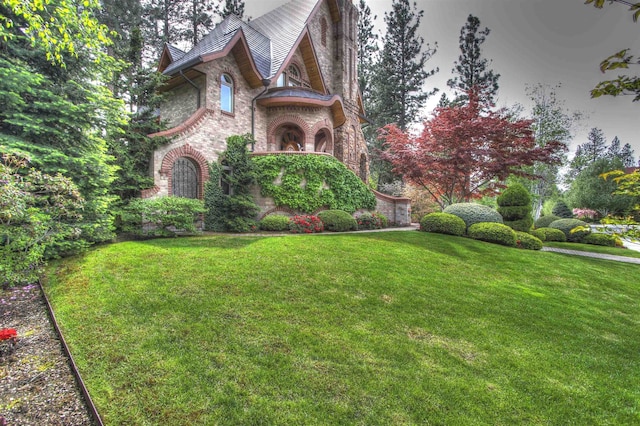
{"points": [[443, 223], [472, 213], [337, 221], [493, 233]]}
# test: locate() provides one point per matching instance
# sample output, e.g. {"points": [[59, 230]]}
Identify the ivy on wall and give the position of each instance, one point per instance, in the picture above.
{"points": [[309, 182]]}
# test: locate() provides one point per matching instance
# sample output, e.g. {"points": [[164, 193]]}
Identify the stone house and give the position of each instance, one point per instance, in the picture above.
{"points": [[288, 77]]}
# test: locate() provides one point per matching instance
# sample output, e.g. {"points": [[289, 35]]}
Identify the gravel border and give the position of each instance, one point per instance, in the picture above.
{"points": [[36, 384]]}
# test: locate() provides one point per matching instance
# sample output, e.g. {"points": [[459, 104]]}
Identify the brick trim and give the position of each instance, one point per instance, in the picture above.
{"points": [[276, 210], [189, 125], [287, 119], [149, 192], [326, 126]]}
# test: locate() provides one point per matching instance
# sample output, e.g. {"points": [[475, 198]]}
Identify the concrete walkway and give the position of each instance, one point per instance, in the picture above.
{"points": [[594, 255]]}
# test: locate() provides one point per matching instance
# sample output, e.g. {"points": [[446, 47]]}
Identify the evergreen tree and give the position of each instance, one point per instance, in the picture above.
{"points": [[197, 18], [471, 67], [398, 83], [368, 51], [57, 115], [401, 74], [162, 24], [561, 209], [233, 6], [588, 152], [626, 156]]}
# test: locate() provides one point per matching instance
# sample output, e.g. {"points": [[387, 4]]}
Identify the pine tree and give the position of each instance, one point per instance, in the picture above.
{"points": [[401, 74], [626, 156], [368, 51], [471, 67], [162, 24], [197, 17], [398, 83], [233, 6], [588, 152]]}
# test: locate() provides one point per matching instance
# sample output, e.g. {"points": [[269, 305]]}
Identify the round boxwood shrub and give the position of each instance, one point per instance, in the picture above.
{"points": [[539, 234], [472, 213], [443, 223], [493, 233], [274, 222], [527, 241], [602, 240], [566, 225], [337, 221], [544, 221], [551, 234]]}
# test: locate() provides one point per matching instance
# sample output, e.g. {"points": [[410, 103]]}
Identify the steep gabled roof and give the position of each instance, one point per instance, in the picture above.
{"points": [[219, 39], [284, 26]]}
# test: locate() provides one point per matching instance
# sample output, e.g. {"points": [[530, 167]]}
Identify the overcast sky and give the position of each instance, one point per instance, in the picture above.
{"points": [[532, 41]]}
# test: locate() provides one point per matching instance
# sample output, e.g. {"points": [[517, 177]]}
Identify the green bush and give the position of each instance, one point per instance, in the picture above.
{"points": [[545, 221], [527, 241], [514, 205], [161, 217], [602, 240], [472, 213], [369, 221], [567, 225], [551, 234], [443, 223], [497, 233], [514, 195], [337, 221], [539, 234], [561, 210], [274, 222], [384, 221]]}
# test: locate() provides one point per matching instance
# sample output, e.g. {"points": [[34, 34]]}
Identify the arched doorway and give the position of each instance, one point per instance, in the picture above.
{"points": [[185, 176]]}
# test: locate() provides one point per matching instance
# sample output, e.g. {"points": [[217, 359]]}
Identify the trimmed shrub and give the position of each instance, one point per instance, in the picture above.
{"points": [[527, 241], [368, 221], [161, 217], [443, 223], [551, 234], [337, 221], [497, 233], [514, 205], [602, 240], [545, 221], [274, 222], [305, 224], [472, 213], [566, 225], [538, 234], [561, 210]]}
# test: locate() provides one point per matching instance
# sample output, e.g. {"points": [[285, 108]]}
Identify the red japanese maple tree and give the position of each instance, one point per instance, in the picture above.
{"points": [[466, 151]]}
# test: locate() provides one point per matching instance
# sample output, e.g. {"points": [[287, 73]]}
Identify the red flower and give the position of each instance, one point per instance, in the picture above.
{"points": [[8, 333]]}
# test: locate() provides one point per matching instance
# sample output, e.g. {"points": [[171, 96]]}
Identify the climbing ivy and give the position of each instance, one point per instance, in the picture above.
{"points": [[309, 182]]}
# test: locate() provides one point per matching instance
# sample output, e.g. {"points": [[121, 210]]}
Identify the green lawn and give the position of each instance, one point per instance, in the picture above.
{"points": [[370, 329]]}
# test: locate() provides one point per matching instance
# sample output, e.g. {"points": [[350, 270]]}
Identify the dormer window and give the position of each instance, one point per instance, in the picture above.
{"points": [[226, 93], [290, 77]]}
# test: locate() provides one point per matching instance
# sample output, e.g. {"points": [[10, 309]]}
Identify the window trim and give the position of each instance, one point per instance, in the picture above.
{"points": [[230, 86]]}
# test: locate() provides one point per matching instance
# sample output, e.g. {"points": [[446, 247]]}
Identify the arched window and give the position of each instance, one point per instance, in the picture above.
{"points": [[290, 77], [184, 178], [226, 93]]}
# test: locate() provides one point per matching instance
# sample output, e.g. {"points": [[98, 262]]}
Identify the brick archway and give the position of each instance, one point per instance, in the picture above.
{"points": [[287, 119], [323, 126], [188, 152]]}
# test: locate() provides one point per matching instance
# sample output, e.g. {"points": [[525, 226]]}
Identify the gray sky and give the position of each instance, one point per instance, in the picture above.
{"points": [[533, 41]]}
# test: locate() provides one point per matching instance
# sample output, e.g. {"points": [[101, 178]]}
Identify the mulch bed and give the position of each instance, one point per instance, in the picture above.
{"points": [[36, 383]]}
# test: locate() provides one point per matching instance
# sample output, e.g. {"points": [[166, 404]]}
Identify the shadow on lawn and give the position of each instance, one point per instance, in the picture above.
{"points": [[218, 241]]}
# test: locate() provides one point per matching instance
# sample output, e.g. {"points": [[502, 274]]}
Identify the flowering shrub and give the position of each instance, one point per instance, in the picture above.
{"points": [[370, 221], [587, 215], [305, 224]]}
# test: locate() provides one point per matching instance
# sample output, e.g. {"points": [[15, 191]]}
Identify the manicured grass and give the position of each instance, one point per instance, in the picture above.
{"points": [[616, 251], [371, 329]]}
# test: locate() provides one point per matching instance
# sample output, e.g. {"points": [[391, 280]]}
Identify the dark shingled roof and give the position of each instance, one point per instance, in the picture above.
{"points": [[270, 38]]}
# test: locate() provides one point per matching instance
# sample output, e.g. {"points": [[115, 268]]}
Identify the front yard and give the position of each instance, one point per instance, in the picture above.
{"points": [[369, 328]]}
